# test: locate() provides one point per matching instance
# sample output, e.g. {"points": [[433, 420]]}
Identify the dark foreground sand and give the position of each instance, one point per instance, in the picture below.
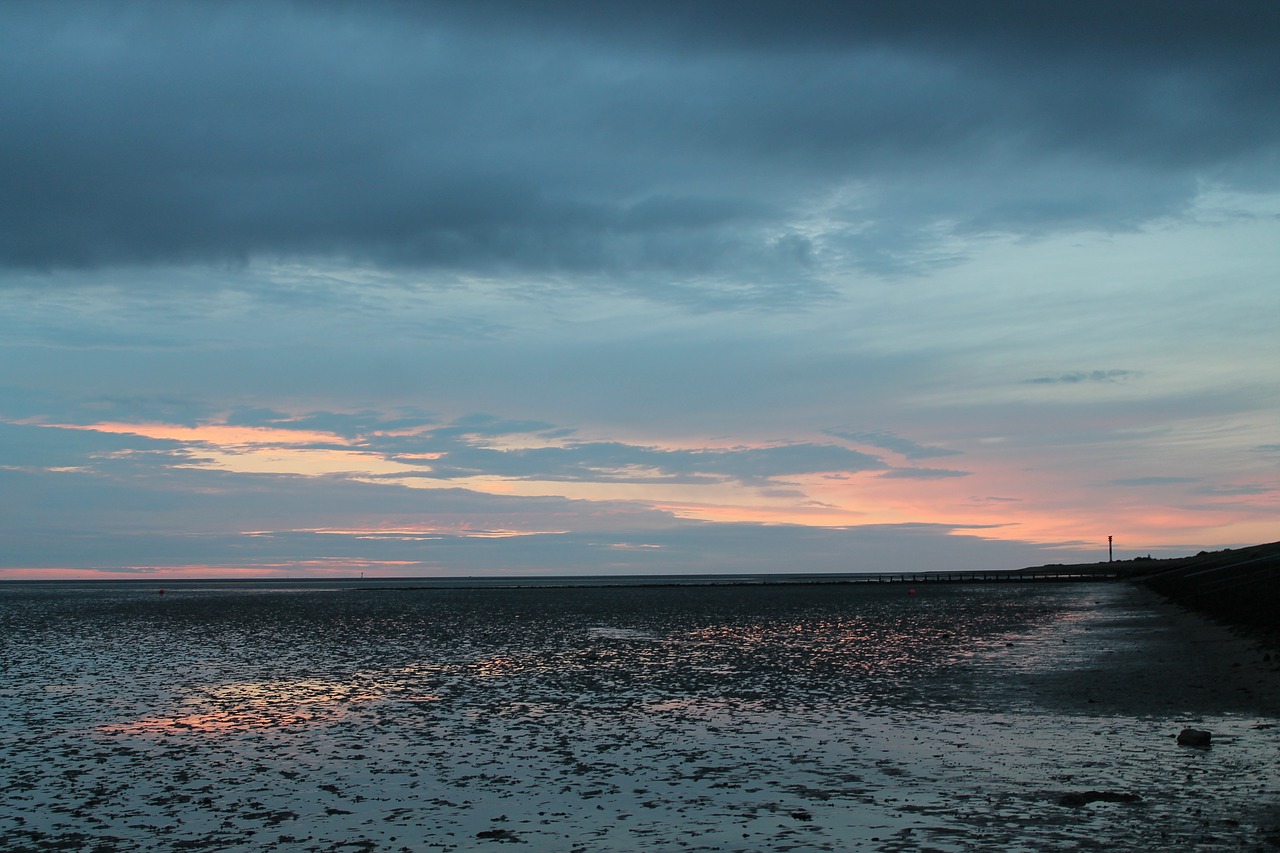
{"points": [[1048, 733]]}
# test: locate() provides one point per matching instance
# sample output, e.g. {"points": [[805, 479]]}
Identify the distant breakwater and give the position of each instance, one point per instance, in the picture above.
{"points": [[1046, 574], [1040, 575]]}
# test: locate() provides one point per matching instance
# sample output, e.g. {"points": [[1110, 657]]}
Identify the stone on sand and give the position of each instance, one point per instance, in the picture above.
{"points": [[1194, 737]]}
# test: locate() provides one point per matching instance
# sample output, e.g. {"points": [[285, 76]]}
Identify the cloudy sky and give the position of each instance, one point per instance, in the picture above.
{"points": [[631, 287]]}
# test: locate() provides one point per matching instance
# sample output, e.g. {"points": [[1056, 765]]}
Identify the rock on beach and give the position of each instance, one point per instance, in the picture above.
{"points": [[1194, 737]]}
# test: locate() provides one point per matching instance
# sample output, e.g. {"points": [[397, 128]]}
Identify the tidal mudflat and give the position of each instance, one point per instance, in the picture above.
{"points": [[1012, 717]]}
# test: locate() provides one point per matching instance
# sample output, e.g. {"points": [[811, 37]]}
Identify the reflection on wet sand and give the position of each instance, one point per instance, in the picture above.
{"points": [[246, 707], [620, 719]]}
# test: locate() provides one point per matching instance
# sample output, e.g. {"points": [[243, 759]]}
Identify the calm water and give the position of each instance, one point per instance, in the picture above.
{"points": [[317, 717]]}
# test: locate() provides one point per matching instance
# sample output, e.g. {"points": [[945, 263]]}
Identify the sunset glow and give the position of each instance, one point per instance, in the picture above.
{"points": [[858, 289]]}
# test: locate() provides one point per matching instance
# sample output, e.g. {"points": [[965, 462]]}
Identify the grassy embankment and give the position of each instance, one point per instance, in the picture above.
{"points": [[1239, 585]]}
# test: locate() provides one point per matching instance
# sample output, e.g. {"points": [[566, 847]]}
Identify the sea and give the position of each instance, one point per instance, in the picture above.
{"points": [[578, 714]]}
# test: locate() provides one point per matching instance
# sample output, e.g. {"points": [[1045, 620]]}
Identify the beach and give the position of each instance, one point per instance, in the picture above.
{"points": [[814, 717]]}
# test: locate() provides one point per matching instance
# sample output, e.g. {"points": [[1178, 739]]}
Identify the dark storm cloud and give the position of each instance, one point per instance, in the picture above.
{"points": [[1159, 28], [613, 139]]}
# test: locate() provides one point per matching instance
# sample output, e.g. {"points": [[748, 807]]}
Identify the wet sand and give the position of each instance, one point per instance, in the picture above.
{"points": [[955, 720]]}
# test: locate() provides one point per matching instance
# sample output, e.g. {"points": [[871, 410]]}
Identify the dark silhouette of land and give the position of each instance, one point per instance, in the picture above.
{"points": [[1238, 585]]}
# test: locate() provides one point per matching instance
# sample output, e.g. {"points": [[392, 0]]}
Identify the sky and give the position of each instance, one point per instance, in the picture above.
{"points": [[540, 288]]}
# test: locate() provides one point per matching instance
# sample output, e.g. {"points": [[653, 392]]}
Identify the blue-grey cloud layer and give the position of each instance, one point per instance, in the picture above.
{"points": [[459, 450], [119, 502], [621, 139]]}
